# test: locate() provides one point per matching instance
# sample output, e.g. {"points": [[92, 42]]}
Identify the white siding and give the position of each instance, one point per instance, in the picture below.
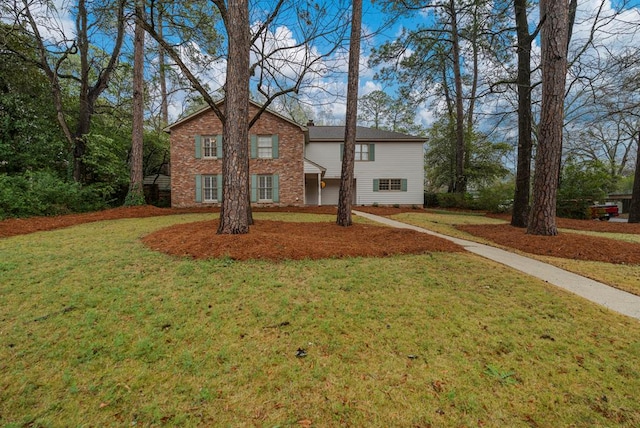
{"points": [[331, 192], [326, 155], [392, 160]]}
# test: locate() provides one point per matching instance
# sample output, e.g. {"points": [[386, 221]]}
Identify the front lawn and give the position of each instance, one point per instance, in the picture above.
{"points": [[98, 330], [623, 276]]}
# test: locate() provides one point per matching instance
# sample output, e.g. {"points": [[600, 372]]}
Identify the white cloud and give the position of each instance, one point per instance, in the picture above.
{"points": [[54, 20], [370, 86]]}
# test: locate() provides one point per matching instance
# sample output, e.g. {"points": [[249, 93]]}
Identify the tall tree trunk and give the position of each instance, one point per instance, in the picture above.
{"points": [[461, 180], [235, 165], [164, 99], [520, 213], [475, 48], [542, 220], [135, 195], [345, 198], [85, 112], [634, 209]]}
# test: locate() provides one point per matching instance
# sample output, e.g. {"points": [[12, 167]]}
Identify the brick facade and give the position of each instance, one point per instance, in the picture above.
{"points": [[185, 166]]}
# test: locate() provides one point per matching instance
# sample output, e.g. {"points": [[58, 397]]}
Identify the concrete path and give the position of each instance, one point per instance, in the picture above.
{"points": [[612, 298]]}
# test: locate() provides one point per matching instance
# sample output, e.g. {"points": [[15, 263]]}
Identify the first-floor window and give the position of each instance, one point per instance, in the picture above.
{"points": [[390, 184], [265, 188], [210, 188]]}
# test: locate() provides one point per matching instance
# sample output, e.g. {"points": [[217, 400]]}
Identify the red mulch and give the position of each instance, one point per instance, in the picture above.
{"points": [[593, 225], [276, 240], [565, 245], [284, 240]]}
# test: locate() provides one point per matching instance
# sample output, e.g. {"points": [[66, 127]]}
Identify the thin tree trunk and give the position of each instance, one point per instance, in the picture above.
{"points": [[164, 101], [346, 180], [474, 85], [235, 165], [460, 181], [135, 195], [520, 213], [542, 220], [85, 109], [634, 209]]}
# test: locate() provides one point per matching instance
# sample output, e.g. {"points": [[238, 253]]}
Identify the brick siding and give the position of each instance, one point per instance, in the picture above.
{"points": [[289, 165]]}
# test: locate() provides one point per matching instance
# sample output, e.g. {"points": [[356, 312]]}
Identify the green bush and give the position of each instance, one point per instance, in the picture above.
{"points": [[455, 200], [574, 208], [496, 199], [44, 194], [430, 199]]}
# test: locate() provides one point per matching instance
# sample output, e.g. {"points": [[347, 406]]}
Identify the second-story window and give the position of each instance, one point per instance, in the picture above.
{"points": [[362, 152], [209, 147], [265, 147]]}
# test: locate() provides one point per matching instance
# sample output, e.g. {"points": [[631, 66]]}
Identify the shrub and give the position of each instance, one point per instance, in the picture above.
{"points": [[574, 208], [430, 199], [455, 200], [496, 199], [44, 194]]}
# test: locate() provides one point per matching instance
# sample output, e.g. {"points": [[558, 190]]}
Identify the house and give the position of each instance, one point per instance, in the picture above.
{"points": [[157, 189], [294, 165]]}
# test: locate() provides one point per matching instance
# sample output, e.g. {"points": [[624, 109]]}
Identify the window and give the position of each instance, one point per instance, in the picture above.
{"points": [[210, 188], [390, 185], [265, 188], [362, 152], [209, 147], [265, 147]]}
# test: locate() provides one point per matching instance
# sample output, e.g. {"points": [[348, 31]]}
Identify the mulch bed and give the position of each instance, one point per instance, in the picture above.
{"points": [[285, 240], [564, 245], [592, 225], [276, 240]]}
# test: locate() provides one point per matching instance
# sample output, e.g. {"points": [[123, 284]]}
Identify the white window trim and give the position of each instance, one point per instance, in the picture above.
{"points": [[213, 188], [268, 180], [264, 143], [212, 146], [363, 149], [390, 182]]}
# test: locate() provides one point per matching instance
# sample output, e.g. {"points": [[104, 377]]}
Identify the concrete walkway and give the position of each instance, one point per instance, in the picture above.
{"points": [[612, 298]]}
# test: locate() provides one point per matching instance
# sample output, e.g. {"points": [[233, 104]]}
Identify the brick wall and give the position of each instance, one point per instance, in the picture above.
{"points": [[184, 165]]}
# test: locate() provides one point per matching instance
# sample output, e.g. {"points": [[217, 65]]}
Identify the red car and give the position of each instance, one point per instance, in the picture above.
{"points": [[604, 212]]}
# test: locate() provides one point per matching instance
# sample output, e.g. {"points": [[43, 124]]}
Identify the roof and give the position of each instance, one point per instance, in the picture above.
{"points": [[208, 108], [312, 167], [319, 134]]}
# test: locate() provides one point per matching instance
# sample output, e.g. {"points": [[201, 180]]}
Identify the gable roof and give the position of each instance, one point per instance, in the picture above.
{"points": [[327, 134], [207, 108]]}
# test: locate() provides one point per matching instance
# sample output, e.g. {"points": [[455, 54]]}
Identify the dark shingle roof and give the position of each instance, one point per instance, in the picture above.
{"points": [[336, 133]]}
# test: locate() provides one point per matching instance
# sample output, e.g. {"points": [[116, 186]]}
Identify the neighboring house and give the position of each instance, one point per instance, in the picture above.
{"points": [[294, 165], [157, 189]]}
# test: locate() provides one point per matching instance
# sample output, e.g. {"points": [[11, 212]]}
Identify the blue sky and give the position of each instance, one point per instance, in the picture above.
{"points": [[373, 18]]}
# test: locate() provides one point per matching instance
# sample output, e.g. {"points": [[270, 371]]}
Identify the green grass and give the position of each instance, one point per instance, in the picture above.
{"points": [[444, 222], [625, 237], [624, 277], [97, 330]]}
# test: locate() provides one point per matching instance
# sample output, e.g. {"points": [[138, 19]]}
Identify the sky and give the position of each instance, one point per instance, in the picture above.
{"points": [[321, 93]]}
